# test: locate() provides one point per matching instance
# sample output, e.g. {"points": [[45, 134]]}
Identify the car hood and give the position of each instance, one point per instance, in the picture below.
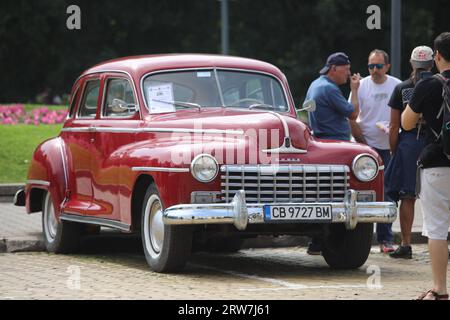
{"points": [[270, 128]]}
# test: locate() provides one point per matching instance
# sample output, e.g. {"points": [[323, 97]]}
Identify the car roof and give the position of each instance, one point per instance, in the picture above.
{"points": [[137, 66]]}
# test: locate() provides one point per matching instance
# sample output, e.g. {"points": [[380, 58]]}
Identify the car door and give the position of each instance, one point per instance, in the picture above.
{"points": [[78, 137], [114, 130]]}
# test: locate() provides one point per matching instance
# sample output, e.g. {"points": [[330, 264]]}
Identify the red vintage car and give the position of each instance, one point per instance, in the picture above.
{"points": [[200, 151]]}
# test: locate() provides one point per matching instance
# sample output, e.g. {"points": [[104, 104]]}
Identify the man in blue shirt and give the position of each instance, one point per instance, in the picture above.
{"points": [[330, 120]]}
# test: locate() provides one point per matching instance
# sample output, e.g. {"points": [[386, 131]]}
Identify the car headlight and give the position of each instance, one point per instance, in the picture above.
{"points": [[204, 168], [365, 167]]}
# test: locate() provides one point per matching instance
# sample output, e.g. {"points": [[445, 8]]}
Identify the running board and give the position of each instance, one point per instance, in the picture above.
{"points": [[96, 221]]}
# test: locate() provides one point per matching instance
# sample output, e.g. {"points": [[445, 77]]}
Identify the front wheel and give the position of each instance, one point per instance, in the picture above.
{"points": [[348, 249], [166, 248], [59, 236]]}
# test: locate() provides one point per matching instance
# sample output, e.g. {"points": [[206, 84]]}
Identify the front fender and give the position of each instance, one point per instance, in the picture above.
{"points": [[154, 155]]}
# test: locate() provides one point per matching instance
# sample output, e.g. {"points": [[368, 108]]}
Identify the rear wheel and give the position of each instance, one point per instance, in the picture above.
{"points": [[167, 248], [348, 249], [59, 236]]}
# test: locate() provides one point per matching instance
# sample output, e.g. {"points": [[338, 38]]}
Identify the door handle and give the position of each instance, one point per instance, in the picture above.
{"points": [[92, 134]]}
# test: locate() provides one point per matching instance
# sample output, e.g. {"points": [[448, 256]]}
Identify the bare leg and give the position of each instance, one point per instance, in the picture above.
{"points": [[439, 261], [406, 220]]}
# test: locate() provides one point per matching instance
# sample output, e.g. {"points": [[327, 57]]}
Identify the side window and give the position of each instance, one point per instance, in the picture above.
{"points": [[73, 105], [119, 101], [88, 107]]}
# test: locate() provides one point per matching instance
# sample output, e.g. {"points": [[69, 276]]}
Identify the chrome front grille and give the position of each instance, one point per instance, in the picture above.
{"points": [[285, 183]]}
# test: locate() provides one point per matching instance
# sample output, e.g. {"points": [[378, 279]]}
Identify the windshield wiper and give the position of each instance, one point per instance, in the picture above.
{"points": [[181, 103]]}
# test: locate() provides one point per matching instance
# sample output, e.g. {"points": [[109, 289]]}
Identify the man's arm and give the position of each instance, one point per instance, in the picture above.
{"points": [[354, 86], [409, 118], [394, 127], [357, 132]]}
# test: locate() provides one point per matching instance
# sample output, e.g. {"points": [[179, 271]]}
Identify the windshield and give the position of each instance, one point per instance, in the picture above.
{"points": [[168, 92]]}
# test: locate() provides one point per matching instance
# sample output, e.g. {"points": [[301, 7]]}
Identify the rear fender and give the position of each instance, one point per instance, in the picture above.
{"points": [[47, 172]]}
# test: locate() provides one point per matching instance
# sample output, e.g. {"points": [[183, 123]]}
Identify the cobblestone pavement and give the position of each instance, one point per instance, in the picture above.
{"points": [[281, 273]]}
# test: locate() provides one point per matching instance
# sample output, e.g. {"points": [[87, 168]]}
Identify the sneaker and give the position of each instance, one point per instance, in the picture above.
{"points": [[314, 249], [404, 252], [386, 247]]}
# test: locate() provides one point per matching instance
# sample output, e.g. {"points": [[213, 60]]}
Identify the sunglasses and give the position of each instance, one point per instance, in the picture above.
{"points": [[375, 65]]}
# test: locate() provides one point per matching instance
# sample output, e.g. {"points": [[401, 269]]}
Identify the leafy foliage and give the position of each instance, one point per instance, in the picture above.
{"points": [[38, 52]]}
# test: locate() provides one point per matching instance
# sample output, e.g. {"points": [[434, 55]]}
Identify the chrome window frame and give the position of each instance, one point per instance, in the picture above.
{"points": [[105, 87], [86, 81], [71, 114], [102, 72]]}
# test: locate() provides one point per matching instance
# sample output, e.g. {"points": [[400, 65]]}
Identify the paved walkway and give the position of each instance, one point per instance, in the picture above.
{"points": [[251, 274]]}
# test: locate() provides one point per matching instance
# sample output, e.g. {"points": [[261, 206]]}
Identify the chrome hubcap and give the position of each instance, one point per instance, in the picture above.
{"points": [[50, 219], [154, 227]]}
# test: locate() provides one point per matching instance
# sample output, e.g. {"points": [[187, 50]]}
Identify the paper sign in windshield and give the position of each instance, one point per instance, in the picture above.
{"points": [[160, 97]]}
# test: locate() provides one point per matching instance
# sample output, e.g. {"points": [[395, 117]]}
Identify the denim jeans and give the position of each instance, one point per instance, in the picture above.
{"points": [[384, 230]]}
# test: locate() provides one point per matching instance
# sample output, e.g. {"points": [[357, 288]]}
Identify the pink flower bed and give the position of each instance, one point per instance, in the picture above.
{"points": [[15, 114]]}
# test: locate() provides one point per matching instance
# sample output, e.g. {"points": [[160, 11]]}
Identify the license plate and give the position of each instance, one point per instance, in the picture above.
{"points": [[297, 213]]}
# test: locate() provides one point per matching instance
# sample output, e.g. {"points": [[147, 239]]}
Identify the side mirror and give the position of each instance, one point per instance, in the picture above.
{"points": [[309, 105], [120, 106]]}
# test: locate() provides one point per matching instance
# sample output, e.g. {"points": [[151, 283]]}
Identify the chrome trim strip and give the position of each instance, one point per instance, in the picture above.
{"points": [[63, 157], [216, 68], [239, 213], [283, 122], [270, 169], [140, 130], [381, 168], [159, 169], [80, 129], [67, 216], [40, 182]]}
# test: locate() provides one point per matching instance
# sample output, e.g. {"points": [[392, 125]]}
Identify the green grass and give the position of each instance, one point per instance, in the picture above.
{"points": [[17, 144], [29, 107]]}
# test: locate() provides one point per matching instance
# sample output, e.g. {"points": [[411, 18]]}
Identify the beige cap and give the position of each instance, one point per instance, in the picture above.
{"points": [[422, 57]]}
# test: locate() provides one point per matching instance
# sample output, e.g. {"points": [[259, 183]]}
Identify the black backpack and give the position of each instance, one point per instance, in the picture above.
{"points": [[445, 109]]}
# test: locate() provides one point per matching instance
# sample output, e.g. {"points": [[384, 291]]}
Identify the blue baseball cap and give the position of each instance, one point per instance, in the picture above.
{"points": [[335, 59]]}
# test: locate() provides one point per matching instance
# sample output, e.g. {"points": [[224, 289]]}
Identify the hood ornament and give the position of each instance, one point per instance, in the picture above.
{"points": [[286, 147]]}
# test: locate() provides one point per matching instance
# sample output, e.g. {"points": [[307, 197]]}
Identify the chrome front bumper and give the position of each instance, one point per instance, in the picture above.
{"points": [[240, 214]]}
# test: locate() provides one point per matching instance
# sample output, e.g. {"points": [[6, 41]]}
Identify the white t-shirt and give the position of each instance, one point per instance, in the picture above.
{"points": [[373, 104]]}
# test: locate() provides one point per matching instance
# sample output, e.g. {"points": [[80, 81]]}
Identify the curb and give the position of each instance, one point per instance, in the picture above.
{"points": [[8, 190], [14, 245]]}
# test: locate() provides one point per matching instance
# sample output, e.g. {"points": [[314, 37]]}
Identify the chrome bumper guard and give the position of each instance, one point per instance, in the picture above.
{"points": [[240, 214]]}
